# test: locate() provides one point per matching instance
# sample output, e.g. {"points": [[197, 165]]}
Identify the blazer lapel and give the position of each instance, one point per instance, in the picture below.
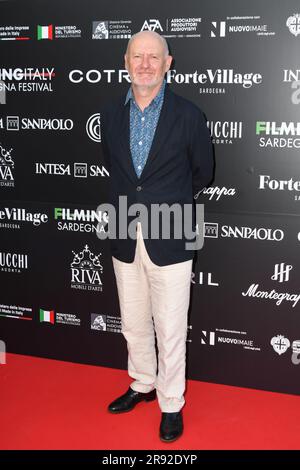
{"points": [[125, 141]]}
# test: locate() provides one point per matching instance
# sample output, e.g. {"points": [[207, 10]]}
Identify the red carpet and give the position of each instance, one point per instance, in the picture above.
{"points": [[47, 404]]}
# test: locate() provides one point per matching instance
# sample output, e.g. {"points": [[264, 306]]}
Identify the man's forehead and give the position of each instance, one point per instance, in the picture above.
{"points": [[147, 45]]}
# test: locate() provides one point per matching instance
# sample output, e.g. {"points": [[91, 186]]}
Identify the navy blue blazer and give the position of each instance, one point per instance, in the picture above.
{"points": [[179, 165]]}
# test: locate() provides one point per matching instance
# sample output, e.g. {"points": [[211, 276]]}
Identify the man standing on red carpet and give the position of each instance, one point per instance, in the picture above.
{"points": [[158, 151]]}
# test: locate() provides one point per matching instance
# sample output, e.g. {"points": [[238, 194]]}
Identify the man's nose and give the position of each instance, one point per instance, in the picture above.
{"points": [[145, 62]]}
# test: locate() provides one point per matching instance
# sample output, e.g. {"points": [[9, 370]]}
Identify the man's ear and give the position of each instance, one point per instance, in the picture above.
{"points": [[169, 62]]}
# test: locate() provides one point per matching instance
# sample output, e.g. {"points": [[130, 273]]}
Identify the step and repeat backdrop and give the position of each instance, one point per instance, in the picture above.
{"points": [[60, 62]]}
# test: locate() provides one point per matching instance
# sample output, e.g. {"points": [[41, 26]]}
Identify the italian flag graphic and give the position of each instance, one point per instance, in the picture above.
{"points": [[47, 315], [45, 32]]}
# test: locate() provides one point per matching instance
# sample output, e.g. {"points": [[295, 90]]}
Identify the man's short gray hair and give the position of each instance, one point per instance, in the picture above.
{"points": [[153, 34]]}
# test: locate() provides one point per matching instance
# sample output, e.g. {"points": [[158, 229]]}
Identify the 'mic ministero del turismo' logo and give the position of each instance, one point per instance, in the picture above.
{"points": [[86, 270]]}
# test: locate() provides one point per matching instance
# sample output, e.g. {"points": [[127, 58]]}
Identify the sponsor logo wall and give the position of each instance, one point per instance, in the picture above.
{"points": [[240, 64]]}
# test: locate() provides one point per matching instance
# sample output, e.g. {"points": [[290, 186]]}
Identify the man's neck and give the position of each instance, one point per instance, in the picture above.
{"points": [[144, 95]]}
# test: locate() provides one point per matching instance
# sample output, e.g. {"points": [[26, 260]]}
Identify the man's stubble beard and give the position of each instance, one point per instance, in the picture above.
{"points": [[147, 86]]}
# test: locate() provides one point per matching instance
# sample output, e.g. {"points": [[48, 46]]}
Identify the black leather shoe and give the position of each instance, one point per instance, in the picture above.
{"points": [[171, 426], [128, 401]]}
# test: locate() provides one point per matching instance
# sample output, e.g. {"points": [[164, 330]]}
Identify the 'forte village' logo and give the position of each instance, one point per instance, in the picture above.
{"points": [[14, 217], [86, 271]]}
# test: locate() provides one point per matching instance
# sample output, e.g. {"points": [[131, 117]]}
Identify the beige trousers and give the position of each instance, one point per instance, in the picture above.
{"points": [[155, 299]]}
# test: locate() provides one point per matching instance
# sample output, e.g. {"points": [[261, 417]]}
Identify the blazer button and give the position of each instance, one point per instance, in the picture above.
{"points": [[139, 188]]}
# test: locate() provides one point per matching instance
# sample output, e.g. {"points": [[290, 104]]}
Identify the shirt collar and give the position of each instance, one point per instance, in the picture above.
{"points": [[156, 100]]}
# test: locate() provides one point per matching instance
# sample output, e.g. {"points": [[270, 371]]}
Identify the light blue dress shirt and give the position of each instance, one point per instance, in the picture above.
{"points": [[142, 127]]}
